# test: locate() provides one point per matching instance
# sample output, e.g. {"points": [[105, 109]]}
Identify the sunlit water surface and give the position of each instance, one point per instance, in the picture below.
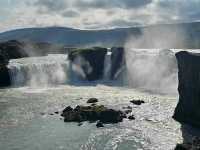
{"points": [[26, 123]]}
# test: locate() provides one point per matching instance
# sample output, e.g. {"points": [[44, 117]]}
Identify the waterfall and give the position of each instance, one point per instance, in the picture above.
{"points": [[152, 70], [39, 71], [107, 65]]}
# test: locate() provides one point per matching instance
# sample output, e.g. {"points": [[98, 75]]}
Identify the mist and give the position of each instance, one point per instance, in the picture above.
{"points": [[151, 65]]}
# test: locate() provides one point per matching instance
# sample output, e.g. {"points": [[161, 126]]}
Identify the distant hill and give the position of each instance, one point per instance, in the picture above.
{"points": [[187, 33]]}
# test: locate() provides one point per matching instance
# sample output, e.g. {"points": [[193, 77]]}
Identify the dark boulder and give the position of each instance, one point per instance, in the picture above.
{"points": [[92, 100], [90, 60], [13, 49], [99, 124], [137, 102], [117, 62], [131, 117], [111, 116], [194, 145], [4, 71], [92, 113], [187, 109]]}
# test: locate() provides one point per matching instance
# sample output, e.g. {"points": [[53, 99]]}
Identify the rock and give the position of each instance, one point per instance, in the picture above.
{"points": [[80, 124], [56, 112], [92, 113], [5, 79], [13, 49], [92, 100], [128, 111], [127, 107], [99, 124], [91, 62], [111, 116], [187, 109], [117, 62], [195, 145], [131, 117], [183, 147], [137, 102]]}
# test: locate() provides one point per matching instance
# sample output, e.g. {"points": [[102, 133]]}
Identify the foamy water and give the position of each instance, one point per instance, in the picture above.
{"points": [[26, 123]]}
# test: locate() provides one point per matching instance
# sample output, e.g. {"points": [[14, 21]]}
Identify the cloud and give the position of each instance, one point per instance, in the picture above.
{"points": [[70, 13], [51, 5], [125, 4], [96, 14]]}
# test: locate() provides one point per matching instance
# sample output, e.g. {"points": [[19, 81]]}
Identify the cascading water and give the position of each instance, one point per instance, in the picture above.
{"points": [[152, 70], [39, 71], [107, 65]]}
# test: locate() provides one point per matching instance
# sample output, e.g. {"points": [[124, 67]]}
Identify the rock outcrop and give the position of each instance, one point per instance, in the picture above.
{"points": [[4, 72], [90, 60], [92, 113], [13, 49], [187, 110], [117, 62]]}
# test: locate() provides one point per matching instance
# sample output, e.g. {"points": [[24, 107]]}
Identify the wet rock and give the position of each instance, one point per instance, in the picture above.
{"points": [[128, 107], [117, 62], [5, 79], [99, 124], [56, 112], [137, 102], [187, 109], [131, 117], [92, 113], [90, 60], [183, 147], [111, 116], [92, 100], [195, 145], [13, 49], [128, 111], [80, 124]]}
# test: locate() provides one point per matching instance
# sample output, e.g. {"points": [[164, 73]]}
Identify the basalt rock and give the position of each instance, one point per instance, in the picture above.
{"points": [[4, 71], [195, 145], [13, 49], [187, 110], [137, 102], [92, 100], [117, 62], [92, 113], [91, 61]]}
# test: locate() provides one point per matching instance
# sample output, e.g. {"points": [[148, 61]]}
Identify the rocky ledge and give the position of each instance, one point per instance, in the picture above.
{"points": [[92, 113], [195, 145], [95, 113]]}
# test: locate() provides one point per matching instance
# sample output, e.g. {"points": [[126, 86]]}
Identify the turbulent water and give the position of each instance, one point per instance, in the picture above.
{"points": [[39, 71], [26, 123], [40, 89]]}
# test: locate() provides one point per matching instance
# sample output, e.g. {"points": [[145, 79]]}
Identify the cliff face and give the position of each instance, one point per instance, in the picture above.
{"points": [[4, 72], [117, 62], [90, 60], [188, 108]]}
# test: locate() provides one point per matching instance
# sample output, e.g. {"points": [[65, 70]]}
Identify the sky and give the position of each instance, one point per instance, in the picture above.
{"points": [[95, 14]]}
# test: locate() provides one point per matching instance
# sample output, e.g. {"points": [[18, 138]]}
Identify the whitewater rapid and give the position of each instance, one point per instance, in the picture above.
{"points": [[26, 109], [26, 121]]}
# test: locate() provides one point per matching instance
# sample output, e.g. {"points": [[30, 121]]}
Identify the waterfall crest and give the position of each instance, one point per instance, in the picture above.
{"points": [[39, 71]]}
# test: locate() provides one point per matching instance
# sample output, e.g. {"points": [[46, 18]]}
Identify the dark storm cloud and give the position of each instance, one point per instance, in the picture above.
{"points": [[58, 5], [70, 13], [51, 5], [126, 4], [184, 9]]}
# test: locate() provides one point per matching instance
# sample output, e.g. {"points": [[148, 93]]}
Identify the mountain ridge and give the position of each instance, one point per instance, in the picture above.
{"points": [[105, 37]]}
